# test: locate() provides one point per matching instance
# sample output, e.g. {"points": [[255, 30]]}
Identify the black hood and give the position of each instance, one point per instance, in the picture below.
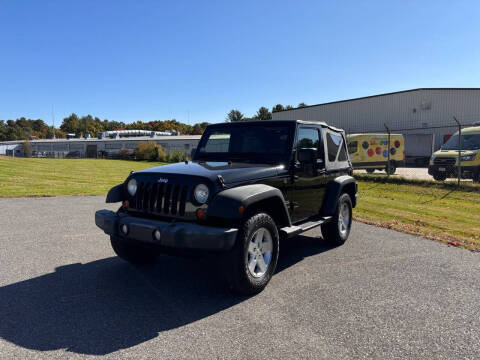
{"points": [[230, 172]]}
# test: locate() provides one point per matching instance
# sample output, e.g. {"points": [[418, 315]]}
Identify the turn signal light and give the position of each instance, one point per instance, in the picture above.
{"points": [[201, 214], [125, 204]]}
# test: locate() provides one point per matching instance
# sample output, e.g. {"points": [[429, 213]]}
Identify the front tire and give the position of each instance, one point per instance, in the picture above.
{"points": [[337, 230], [439, 176], [253, 259], [134, 253]]}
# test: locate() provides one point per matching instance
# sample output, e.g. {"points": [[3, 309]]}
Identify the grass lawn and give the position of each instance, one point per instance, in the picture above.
{"points": [[432, 210], [55, 177]]}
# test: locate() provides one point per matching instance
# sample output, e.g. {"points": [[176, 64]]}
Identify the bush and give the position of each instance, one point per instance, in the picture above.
{"points": [[125, 153], [148, 151], [161, 154], [153, 152], [178, 156]]}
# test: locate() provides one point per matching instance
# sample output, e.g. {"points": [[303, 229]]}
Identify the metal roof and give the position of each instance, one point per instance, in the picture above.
{"points": [[138, 138], [373, 96]]}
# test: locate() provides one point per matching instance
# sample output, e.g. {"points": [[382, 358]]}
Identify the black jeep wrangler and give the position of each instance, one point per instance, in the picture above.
{"points": [[249, 184]]}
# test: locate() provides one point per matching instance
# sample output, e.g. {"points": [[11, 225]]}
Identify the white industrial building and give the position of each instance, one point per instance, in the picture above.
{"points": [[94, 147], [424, 116]]}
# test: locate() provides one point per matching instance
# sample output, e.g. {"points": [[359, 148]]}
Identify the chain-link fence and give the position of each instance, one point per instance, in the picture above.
{"points": [[440, 152]]}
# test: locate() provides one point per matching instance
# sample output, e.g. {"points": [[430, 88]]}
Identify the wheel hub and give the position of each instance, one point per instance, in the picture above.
{"points": [[344, 218], [259, 253]]}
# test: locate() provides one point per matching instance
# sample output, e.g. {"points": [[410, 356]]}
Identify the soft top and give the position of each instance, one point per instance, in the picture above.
{"points": [[304, 122]]}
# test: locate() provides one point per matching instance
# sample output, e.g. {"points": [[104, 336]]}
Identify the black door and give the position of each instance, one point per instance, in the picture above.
{"points": [[310, 179], [91, 151]]}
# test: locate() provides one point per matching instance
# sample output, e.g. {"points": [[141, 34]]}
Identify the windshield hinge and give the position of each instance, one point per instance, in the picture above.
{"points": [[221, 181]]}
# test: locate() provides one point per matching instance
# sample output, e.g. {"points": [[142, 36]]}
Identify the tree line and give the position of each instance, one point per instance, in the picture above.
{"points": [[262, 113], [22, 128]]}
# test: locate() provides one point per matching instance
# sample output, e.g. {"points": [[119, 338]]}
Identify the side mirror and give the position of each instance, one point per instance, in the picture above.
{"points": [[307, 155]]}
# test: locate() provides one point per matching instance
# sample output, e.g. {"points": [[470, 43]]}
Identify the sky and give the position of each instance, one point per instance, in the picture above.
{"points": [[196, 60]]}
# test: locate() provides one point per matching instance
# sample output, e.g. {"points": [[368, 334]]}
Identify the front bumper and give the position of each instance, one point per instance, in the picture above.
{"points": [[181, 235], [452, 170]]}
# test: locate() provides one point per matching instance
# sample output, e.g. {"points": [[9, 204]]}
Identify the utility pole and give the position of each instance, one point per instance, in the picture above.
{"points": [[53, 121], [459, 170], [388, 163]]}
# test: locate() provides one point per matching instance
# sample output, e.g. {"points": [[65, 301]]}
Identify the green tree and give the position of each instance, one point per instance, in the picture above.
{"points": [[278, 107], [288, 107], [71, 124], [263, 114], [302, 104], [199, 128], [234, 115]]}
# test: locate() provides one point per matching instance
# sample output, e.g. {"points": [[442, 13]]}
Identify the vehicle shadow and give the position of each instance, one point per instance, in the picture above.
{"points": [[107, 305]]}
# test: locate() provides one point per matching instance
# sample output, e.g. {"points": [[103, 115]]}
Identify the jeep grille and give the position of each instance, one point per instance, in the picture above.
{"points": [[160, 198]]}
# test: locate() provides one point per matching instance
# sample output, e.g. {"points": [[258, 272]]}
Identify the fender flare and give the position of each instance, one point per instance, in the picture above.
{"points": [[226, 203], [116, 194], [333, 191]]}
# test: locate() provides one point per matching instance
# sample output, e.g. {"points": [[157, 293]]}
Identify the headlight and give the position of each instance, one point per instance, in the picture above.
{"points": [[201, 193], [432, 157], [467, 157], [132, 187]]}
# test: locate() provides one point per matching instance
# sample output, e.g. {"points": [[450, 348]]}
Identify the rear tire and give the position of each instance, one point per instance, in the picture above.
{"points": [[253, 259], [393, 168], [133, 252], [439, 176], [336, 231]]}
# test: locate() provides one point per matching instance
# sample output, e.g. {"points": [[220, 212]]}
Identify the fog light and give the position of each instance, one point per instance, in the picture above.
{"points": [[157, 235], [124, 229]]}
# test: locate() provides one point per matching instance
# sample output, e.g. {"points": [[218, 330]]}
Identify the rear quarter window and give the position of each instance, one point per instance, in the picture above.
{"points": [[333, 143]]}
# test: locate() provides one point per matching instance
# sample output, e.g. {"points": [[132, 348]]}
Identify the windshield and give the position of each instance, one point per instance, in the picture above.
{"points": [[247, 142], [469, 142]]}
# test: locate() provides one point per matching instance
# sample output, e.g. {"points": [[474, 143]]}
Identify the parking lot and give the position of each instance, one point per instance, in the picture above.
{"points": [[408, 173], [385, 295]]}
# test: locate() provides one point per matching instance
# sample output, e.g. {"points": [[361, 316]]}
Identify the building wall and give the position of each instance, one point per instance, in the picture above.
{"points": [[423, 111], [170, 144], [11, 149]]}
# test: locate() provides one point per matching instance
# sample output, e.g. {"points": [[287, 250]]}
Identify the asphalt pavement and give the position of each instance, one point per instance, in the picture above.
{"points": [[383, 295]]}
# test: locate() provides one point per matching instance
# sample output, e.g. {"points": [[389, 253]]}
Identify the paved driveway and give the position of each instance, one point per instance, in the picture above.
{"points": [[63, 294]]}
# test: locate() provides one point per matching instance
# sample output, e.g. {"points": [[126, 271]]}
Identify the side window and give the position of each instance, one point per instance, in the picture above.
{"points": [[333, 143], [352, 147], [308, 138]]}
